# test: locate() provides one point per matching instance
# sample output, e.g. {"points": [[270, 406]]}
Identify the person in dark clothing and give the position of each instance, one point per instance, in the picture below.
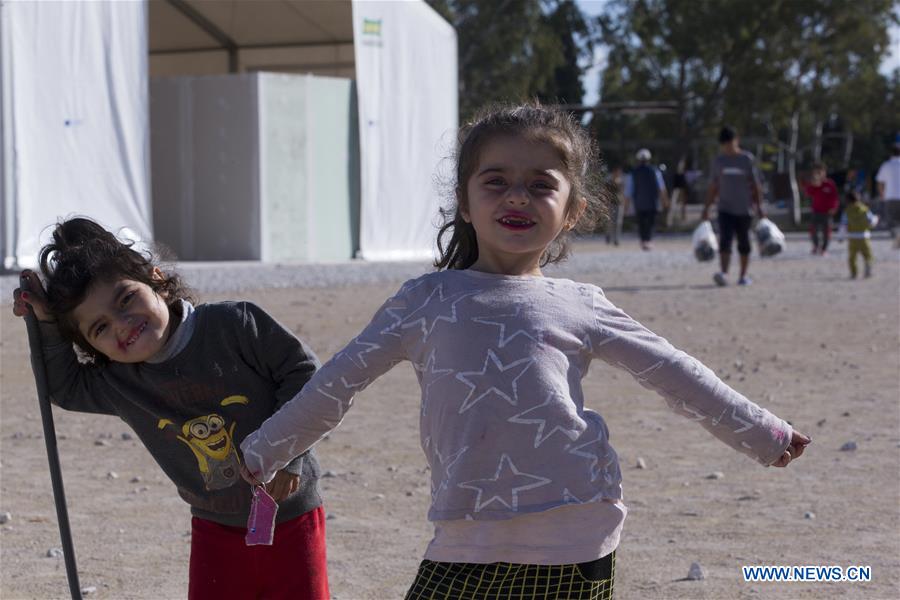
{"points": [[646, 191]]}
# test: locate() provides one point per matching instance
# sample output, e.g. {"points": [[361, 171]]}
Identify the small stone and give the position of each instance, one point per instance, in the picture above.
{"points": [[127, 436], [409, 493], [641, 463], [91, 589], [391, 468], [18, 435], [821, 422], [5, 518], [748, 497], [739, 365], [328, 474], [378, 497], [331, 517], [54, 553], [846, 413], [135, 479], [716, 475], [101, 442], [776, 357], [112, 475], [809, 515], [823, 345], [696, 572], [849, 447]]}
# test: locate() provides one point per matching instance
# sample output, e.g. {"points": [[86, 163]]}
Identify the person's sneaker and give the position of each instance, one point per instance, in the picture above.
{"points": [[720, 280], [745, 281]]}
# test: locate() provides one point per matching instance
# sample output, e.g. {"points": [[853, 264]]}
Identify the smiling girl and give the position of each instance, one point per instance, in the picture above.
{"points": [[190, 381], [526, 489]]}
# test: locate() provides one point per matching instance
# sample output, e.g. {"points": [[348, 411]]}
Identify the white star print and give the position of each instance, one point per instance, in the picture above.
{"points": [[500, 322], [600, 458], [503, 485], [644, 374], [431, 375], [420, 316], [568, 423], [485, 379], [446, 463], [747, 425], [570, 498], [326, 390], [357, 357]]}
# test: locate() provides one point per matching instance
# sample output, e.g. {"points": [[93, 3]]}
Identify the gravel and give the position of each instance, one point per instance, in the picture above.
{"points": [[590, 255]]}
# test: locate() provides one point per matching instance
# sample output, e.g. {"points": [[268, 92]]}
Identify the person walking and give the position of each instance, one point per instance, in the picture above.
{"points": [[735, 183], [646, 191], [823, 194], [888, 180]]}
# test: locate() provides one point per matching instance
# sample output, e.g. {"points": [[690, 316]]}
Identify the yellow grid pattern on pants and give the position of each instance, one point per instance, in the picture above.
{"points": [[508, 581]]}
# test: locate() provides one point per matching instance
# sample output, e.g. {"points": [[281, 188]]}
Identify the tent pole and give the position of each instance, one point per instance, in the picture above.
{"points": [[198, 19]]}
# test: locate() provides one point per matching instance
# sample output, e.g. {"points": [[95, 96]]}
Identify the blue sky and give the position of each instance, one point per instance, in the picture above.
{"points": [[592, 78]]}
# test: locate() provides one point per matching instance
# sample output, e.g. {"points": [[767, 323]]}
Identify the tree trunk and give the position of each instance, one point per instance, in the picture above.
{"points": [[792, 169], [817, 141], [848, 148]]}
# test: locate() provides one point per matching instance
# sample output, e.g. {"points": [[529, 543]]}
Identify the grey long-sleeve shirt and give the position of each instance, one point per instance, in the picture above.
{"points": [[500, 361], [236, 367]]}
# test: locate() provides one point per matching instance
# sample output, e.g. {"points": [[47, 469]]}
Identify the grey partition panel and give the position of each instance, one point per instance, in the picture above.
{"points": [[255, 167], [170, 160], [284, 167], [226, 168]]}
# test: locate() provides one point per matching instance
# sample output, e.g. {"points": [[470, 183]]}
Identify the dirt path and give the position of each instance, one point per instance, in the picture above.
{"points": [[815, 348]]}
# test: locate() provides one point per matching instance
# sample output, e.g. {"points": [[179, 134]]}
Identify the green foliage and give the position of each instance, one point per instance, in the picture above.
{"points": [[515, 50], [751, 63]]}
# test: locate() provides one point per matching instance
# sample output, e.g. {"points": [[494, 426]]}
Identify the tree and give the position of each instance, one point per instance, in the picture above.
{"points": [[515, 50], [779, 68]]}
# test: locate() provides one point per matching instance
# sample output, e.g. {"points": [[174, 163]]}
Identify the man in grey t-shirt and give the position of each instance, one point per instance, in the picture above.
{"points": [[735, 182]]}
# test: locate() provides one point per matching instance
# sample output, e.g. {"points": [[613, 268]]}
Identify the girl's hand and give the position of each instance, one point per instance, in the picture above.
{"points": [[31, 292], [283, 485], [794, 450], [247, 476]]}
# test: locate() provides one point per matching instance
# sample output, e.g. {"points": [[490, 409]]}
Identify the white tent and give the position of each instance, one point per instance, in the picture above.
{"points": [[93, 80], [74, 120]]}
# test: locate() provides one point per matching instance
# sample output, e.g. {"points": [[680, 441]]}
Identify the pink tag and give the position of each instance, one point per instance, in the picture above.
{"points": [[261, 524]]}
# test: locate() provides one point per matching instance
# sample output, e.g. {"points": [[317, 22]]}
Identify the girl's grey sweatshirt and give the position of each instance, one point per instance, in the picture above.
{"points": [[228, 366], [500, 361]]}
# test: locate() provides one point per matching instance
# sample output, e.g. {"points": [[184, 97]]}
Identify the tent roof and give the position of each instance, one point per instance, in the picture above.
{"points": [[198, 25]]}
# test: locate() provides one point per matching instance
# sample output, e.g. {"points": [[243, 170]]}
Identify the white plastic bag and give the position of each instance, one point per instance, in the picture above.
{"points": [[704, 242], [769, 238]]}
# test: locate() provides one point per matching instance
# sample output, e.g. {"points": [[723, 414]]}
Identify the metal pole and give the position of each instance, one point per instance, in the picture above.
{"points": [[59, 494]]}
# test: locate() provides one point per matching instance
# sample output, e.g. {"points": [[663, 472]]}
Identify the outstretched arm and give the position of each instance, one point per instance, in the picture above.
{"points": [[691, 389], [320, 406]]}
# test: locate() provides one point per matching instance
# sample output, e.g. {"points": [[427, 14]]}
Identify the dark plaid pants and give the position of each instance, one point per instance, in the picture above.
{"points": [[468, 581]]}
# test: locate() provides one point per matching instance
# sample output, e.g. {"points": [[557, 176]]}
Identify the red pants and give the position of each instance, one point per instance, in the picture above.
{"points": [[294, 566]]}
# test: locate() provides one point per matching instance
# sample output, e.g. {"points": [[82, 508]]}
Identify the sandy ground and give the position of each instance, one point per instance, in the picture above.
{"points": [[817, 349]]}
